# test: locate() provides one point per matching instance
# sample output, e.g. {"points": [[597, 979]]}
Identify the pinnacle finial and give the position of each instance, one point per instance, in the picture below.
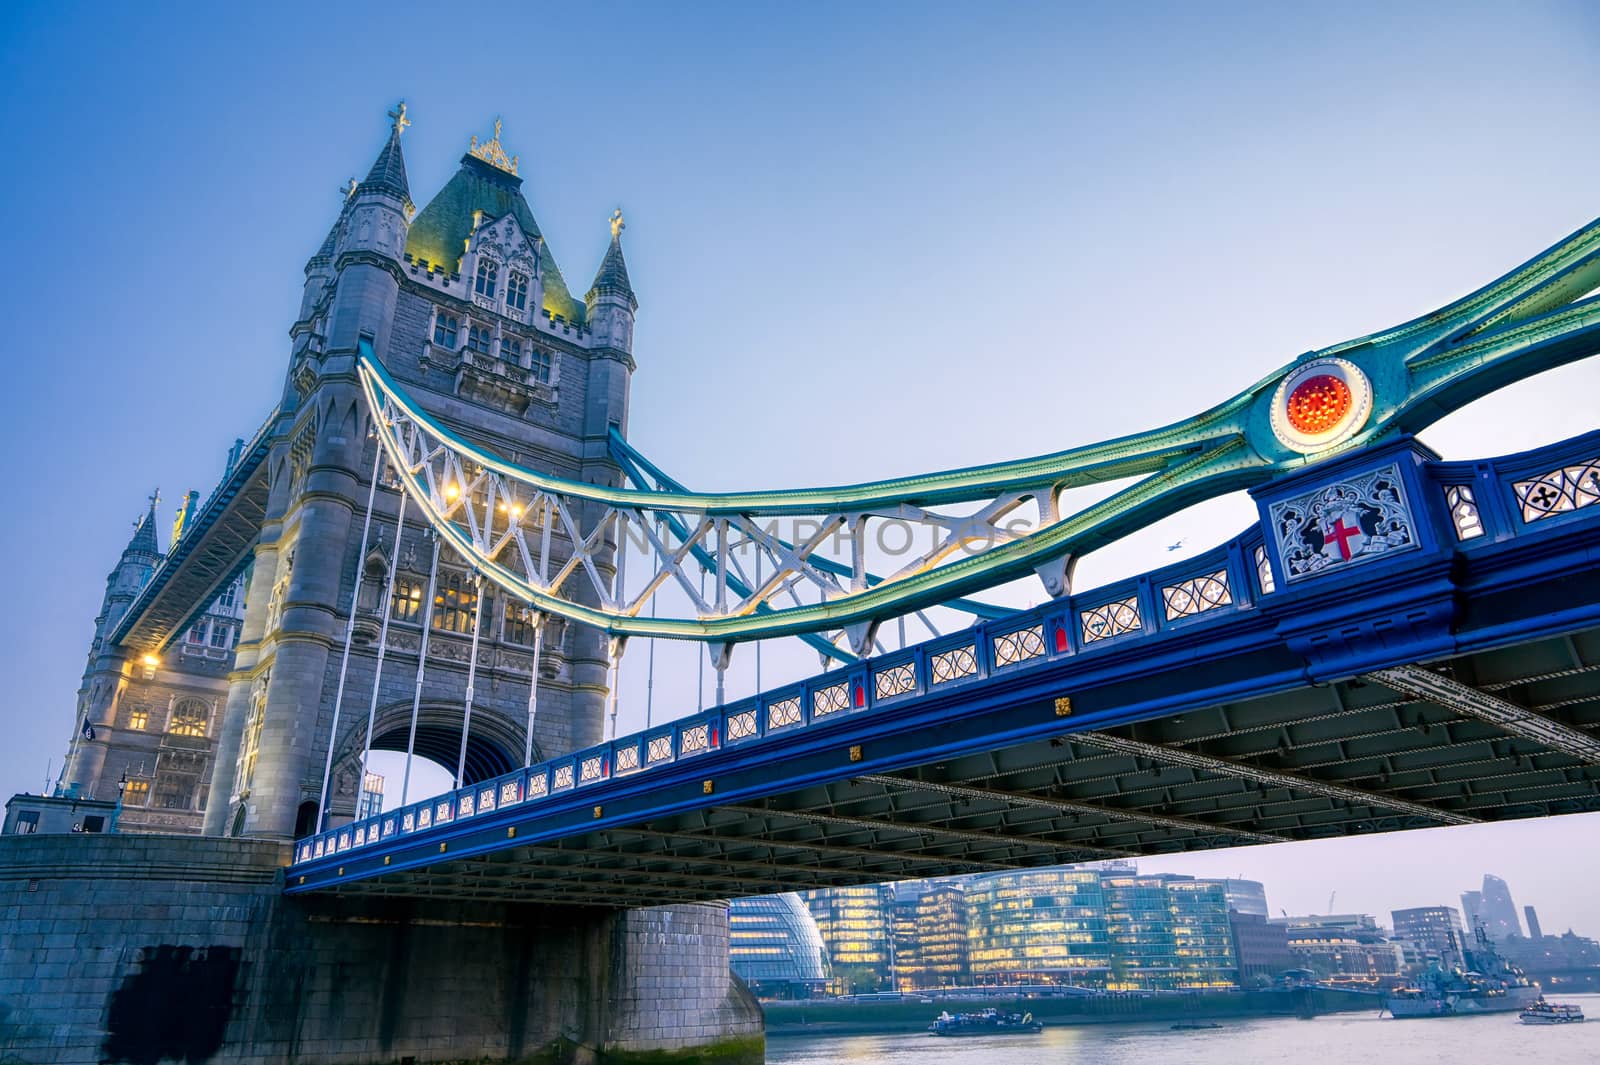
{"points": [[492, 153], [155, 498], [400, 120], [349, 190], [617, 224]]}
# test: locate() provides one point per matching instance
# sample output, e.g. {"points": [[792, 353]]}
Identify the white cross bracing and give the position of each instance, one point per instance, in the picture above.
{"points": [[558, 549]]}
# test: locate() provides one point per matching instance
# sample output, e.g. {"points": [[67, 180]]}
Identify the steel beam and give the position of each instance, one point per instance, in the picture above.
{"points": [[825, 849], [1243, 771], [1071, 852], [1502, 713], [1012, 798]]}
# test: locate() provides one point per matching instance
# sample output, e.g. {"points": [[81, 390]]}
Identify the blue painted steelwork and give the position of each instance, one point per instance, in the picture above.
{"points": [[1461, 583]]}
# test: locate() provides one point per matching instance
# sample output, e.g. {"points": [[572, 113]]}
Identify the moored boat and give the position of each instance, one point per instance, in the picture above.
{"points": [[984, 1022], [1487, 984]]}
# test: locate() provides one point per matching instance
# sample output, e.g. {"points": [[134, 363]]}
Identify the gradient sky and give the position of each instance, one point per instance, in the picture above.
{"points": [[867, 239]]}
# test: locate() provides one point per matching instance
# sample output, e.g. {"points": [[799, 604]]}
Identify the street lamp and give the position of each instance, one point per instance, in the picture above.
{"points": [[122, 786]]}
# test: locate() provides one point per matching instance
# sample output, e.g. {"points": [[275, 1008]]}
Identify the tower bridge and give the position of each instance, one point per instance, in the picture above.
{"points": [[448, 541]]}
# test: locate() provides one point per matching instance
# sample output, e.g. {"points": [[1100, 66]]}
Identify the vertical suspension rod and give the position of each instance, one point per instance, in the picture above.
{"points": [[472, 676], [620, 595], [422, 667], [758, 642], [650, 671], [383, 631], [702, 651], [344, 658], [533, 688]]}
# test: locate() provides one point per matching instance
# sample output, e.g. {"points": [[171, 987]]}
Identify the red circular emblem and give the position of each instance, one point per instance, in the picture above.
{"points": [[1317, 404]]}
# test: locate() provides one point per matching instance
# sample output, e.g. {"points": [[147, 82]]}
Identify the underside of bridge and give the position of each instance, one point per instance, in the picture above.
{"points": [[1483, 737]]}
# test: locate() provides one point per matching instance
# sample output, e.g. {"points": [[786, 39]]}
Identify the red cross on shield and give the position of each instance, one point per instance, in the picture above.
{"points": [[1342, 535]]}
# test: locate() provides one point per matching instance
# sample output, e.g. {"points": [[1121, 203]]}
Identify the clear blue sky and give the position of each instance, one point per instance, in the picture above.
{"points": [[867, 240]]}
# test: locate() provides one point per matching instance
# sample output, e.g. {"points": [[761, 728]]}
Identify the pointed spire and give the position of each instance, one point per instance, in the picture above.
{"points": [[144, 531], [330, 243], [388, 173], [613, 273]]}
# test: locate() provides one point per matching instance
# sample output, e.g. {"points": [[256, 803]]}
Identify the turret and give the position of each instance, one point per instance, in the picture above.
{"points": [[370, 243], [319, 268], [138, 559], [610, 299], [102, 672]]}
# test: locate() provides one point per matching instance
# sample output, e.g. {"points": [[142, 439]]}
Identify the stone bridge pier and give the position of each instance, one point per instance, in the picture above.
{"points": [[144, 949]]}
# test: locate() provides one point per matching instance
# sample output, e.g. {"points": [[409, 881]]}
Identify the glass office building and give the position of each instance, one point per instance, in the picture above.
{"points": [[1069, 926], [1040, 926], [1434, 932], [774, 946], [1247, 896], [936, 953], [856, 925], [1169, 933], [1204, 957]]}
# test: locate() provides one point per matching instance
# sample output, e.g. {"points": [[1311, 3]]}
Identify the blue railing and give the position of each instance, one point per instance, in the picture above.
{"points": [[1503, 498]]}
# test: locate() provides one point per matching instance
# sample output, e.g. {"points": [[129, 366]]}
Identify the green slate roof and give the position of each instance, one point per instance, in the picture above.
{"points": [[613, 272], [144, 536], [440, 230], [389, 169]]}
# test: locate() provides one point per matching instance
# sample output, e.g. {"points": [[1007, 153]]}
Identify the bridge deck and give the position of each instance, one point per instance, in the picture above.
{"points": [[1075, 731]]}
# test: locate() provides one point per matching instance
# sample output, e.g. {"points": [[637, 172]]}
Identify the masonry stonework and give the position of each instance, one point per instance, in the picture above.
{"points": [[142, 948]]}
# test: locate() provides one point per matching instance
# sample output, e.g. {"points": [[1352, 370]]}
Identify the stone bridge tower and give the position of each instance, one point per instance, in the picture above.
{"points": [[465, 305]]}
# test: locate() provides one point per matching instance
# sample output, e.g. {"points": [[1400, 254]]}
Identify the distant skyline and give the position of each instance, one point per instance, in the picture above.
{"points": [[867, 240]]}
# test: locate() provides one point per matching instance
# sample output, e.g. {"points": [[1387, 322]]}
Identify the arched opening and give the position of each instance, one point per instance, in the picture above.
{"points": [[305, 820], [494, 748], [441, 744]]}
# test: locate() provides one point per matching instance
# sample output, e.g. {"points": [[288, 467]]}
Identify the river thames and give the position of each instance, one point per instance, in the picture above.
{"points": [[1337, 1039]]}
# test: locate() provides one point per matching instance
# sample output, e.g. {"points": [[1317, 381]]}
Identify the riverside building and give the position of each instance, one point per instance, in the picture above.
{"points": [[856, 926], [774, 946]]}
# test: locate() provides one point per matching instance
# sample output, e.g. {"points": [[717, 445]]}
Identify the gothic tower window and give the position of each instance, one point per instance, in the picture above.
{"points": [[540, 364], [519, 624], [511, 350], [517, 291], [407, 599], [139, 719], [174, 792], [189, 718], [250, 744], [445, 330], [478, 339], [454, 602], [177, 776], [488, 279], [137, 793]]}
